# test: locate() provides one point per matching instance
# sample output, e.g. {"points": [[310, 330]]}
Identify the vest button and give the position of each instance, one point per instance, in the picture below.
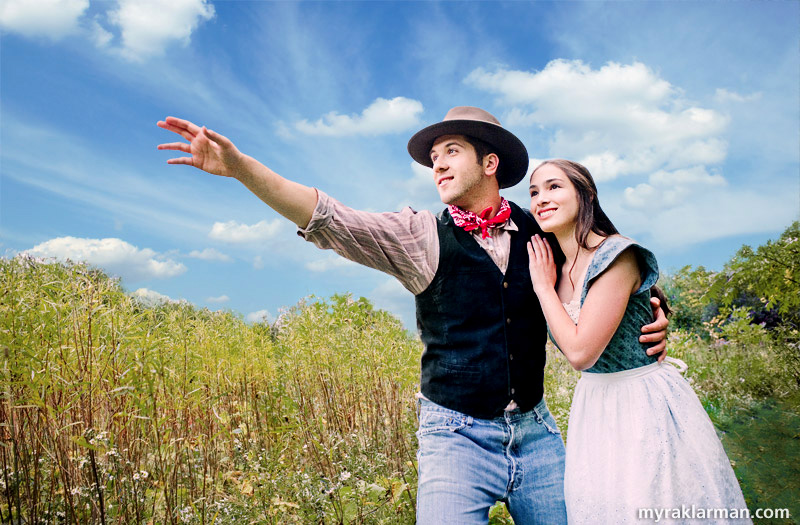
{"points": [[513, 391], [505, 285], [510, 357], [508, 321]]}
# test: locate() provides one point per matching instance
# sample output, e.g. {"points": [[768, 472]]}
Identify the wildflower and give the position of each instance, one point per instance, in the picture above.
{"points": [[344, 476]]}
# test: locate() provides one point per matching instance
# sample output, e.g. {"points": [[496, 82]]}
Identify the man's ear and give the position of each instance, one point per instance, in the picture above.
{"points": [[491, 163]]}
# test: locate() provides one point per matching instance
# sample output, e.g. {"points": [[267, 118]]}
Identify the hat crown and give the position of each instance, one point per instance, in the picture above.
{"points": [[479, 124], [471, 113]]}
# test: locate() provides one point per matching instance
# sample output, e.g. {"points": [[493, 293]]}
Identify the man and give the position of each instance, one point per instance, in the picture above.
{"points": [[485, 432]]}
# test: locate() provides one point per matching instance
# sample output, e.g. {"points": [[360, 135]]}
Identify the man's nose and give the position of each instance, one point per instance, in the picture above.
{"points": [[439, 164]]}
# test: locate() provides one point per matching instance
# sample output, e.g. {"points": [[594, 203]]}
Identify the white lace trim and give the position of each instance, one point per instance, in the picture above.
{"points": [[573, 309]]}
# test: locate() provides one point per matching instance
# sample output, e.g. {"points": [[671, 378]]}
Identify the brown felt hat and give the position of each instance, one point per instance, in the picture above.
{"points": [[475, 122]]}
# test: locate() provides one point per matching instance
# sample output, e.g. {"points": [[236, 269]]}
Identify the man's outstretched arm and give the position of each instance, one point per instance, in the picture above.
{"points": [[216, 154]]}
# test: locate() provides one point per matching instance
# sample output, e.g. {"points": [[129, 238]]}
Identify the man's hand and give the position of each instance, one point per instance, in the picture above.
{"points": [[656, 332], [210, 151]]}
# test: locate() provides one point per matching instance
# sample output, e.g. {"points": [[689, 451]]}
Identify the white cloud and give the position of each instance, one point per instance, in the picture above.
{"points": [[258, 262], [382, 116], [723, 95], [209, 254], [260, 316], [148, 26], [236, 232], [113, 255], [330, 262], [151, 297], [98, 34], [712, 213], [220, 299], [618, 120], [668, 189], [48, 18]]}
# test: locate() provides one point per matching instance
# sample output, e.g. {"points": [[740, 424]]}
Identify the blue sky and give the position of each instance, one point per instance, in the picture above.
{"points": [[687, 114]]}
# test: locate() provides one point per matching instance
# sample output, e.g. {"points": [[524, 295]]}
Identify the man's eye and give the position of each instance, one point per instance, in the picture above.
{"points": [[451, 150]]}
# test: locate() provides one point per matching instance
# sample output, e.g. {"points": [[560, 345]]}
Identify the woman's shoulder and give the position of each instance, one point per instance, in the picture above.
{"points": [[609, 251]]}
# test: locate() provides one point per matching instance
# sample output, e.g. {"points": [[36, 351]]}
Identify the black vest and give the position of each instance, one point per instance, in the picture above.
{"points": [[484, 332]]}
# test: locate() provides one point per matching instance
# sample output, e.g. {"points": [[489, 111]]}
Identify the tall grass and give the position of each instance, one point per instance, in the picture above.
{"points": [[113, 412]]}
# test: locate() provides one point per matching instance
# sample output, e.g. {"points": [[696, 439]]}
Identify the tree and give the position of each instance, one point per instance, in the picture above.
{"points": [[766, 280]]}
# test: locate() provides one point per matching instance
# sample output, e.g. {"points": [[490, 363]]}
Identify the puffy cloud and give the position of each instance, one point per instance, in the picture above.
{"points": [[98, 34], [220, 299], [236, 232], [260, 316], [668, 189], [113, 255], [381, 117], [209, 254], [49, 18], [151, 297], [148, 26], [711, 213], [618, 120]]}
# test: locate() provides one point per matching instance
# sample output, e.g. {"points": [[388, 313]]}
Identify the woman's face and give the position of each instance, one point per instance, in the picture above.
{"points": [[554, 200]]}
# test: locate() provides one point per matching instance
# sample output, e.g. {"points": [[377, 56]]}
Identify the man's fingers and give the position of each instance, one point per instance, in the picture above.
{"points": [[652, 337], [184, 128], [176, 146], [180, 131], [192, 128], [659, 325], [216, 137], [182, 160]]}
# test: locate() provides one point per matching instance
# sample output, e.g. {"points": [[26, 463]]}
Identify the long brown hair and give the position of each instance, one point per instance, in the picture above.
{"points": [[591, 217]]}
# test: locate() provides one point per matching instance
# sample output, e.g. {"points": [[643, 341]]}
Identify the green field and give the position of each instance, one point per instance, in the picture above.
{"points": [[113, 411]]}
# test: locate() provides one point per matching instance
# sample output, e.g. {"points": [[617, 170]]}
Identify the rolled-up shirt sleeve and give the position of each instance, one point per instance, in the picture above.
{"points": [[404, 244]]}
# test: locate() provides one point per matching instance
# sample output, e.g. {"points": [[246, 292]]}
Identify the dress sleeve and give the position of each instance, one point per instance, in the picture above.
{"points": [[608, 252]]}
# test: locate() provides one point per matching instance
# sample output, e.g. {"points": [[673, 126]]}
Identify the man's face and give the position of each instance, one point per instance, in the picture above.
{"points": [[456, 170]]}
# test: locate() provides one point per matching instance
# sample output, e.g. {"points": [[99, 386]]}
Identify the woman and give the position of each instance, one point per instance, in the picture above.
{"points": [[638, 436]]}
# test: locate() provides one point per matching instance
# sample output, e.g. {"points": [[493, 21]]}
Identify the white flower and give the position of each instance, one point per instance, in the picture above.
{"points": [[344, 476]]}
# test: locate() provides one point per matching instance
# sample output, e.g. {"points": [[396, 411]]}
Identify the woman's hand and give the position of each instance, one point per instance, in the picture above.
{"points": [[210, 151], [541, 265]]}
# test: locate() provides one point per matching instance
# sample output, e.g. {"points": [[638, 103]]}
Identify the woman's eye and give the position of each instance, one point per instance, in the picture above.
{"points": [[534, 193]]}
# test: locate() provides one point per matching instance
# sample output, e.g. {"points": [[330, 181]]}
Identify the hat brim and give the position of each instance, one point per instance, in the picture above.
{"points": [[511, 151]]}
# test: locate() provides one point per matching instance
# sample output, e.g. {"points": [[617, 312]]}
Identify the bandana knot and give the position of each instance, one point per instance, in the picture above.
{"points": [[472, 221]]}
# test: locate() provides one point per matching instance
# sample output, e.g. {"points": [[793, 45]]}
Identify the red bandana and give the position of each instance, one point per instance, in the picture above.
{"points": [[471, 221]]}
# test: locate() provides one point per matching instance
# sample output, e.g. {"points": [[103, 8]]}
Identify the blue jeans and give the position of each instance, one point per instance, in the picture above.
{"points": [[467, 464]]}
